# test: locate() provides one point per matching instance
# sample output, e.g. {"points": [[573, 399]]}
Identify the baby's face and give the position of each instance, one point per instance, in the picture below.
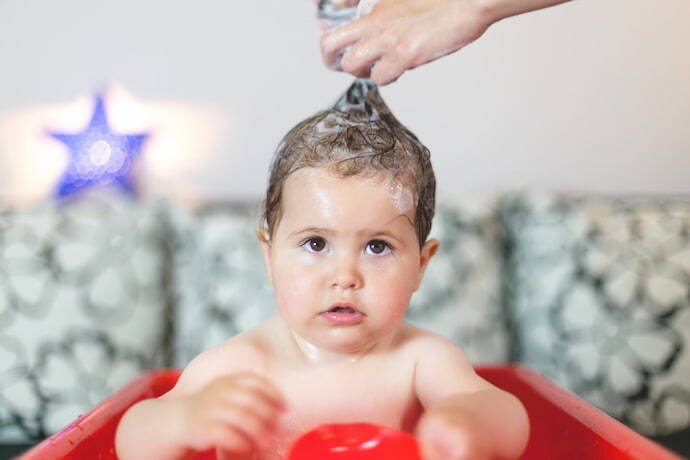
{"points": [[344, 259]]}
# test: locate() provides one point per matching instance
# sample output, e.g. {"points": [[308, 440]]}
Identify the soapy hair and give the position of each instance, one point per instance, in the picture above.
{"points": [[358, 136]]}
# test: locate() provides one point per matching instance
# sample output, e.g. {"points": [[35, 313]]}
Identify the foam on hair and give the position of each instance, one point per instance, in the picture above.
{"points": [[357, 136]]}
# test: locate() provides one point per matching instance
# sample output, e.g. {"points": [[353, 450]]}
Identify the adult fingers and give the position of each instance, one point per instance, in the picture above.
{"points": [[388, 69], [333, 41], [359, 59], [401, 54], [345, 3]]}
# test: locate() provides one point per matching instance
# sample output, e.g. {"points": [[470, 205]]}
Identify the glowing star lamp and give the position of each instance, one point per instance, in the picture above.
{"points": [[98, 157]]}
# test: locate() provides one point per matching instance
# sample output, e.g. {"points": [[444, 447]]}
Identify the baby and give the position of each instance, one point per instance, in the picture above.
{"points": [[347, 213]]}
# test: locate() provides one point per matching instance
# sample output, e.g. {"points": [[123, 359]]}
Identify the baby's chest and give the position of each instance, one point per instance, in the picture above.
{"points": [[349, 401], [382, 398]]}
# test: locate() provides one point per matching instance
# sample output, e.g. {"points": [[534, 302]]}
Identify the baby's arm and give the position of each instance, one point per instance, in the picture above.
{"points": [[207, 408], [466, 417]]}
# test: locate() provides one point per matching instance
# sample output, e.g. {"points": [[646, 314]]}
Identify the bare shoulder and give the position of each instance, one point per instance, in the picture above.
{"points": [[426, 345], [244, 352], [441, 367]]}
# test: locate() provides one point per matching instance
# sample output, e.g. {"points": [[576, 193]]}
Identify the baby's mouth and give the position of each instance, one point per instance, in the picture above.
{"points": [[342, 308], [343, 314]]}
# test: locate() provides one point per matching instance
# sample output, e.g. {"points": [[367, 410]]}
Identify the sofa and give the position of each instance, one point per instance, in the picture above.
{"points": [[591, 291]]}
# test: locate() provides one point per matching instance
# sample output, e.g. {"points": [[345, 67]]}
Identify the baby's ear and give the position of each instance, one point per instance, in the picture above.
{"points": [[264, 242], [427, 252]]}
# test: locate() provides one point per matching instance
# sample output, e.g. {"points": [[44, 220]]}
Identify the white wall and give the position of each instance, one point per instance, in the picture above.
{"points": [[588, 96]]}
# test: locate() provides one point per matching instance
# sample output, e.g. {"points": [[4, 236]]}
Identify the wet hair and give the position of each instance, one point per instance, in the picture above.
{"points": [[358, 136]]}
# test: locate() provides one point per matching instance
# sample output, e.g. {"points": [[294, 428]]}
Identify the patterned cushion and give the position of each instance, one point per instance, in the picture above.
{"points": [[221, 287], [460, 297], [219, 284], [81, 309], [600, 294]]}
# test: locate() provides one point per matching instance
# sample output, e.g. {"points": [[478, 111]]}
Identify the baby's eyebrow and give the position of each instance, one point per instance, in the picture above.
{"points": [[409, 221], [328, 231], [323, 230], [377, 233]]}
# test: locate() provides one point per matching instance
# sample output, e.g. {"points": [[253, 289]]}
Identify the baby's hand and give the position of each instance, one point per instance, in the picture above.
{"points": [[236, 413], [445, 433]]}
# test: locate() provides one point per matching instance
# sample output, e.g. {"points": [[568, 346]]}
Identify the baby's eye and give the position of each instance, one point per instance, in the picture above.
{"points": [[315, 244], [378, 247]]}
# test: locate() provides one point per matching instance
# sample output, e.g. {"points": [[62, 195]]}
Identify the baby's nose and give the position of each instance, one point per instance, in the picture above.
{"points": [[346, 275]]}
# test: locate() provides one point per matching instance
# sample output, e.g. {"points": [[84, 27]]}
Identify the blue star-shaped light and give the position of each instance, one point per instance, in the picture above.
{"points": [[98, 156]]}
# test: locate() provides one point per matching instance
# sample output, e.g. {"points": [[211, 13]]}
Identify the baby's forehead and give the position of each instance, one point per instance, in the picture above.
{"points": [[317, 192], [386, 181], [380, 183]]}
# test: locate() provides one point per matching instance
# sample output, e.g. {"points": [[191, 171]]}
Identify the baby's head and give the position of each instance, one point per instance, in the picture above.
{"points": [[357, 137]]}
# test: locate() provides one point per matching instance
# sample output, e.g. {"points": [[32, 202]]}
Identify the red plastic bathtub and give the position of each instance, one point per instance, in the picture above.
{"points": [[562, 425]]}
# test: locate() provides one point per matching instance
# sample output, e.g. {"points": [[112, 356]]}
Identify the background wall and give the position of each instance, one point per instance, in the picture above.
{"points": [[587, 96]]}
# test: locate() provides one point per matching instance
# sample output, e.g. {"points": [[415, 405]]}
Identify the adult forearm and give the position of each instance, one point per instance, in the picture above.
{"points": [[501, 9]]}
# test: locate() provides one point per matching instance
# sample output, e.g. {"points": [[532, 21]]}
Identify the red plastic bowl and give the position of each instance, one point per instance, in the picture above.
{"points": [[355, 441]]}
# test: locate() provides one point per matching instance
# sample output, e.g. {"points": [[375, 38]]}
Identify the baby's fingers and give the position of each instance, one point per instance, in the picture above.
{"points": [[253, 406], [260, 390], [244, 423], [442, 439], [229, 438], [443, 446]]}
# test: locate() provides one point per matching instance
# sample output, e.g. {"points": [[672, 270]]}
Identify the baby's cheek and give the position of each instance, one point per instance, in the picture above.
{"points": [[293, 287], [305, 259], [393, 298], [394, 293]]}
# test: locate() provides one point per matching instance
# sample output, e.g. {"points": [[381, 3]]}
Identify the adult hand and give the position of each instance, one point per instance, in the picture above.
{"points": [[402, 34], [399, 35]]}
